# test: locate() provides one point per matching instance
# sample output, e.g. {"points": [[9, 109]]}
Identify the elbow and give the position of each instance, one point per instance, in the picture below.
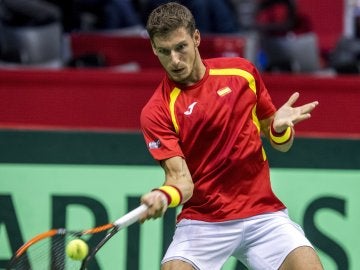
{"points": [[191, 192], [188, 191]]}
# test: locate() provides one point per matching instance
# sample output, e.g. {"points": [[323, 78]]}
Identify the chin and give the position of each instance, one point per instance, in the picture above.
{"points": [[178, 79], [183, 78]]}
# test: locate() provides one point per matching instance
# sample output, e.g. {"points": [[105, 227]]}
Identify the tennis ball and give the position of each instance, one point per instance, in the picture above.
{"points": [[77, 249]]}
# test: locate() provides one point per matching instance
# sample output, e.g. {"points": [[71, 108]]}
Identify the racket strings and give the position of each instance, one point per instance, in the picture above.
{"points": [[47, 254]]}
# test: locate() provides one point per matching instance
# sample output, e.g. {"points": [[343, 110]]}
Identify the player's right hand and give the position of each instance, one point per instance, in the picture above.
{"points": [[157, 205]]}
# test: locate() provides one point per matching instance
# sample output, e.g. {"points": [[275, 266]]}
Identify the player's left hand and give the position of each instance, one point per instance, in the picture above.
{"points": [[288, 115]]}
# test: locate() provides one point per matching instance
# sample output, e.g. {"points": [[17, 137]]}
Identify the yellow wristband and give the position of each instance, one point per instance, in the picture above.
{"points": [[173, 195], [283, 138]]}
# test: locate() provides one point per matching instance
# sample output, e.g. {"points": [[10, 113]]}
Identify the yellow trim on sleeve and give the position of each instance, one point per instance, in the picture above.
{"points": [[236, 72], [263, 153], [257, 124], [173, 96], [255, 118]]}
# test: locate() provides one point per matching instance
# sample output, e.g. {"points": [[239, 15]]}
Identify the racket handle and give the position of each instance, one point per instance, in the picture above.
{"points": [[131, 217]]}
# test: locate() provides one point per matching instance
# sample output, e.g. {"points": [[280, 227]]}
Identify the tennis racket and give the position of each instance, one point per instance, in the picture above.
{"points": [[47, 250]]}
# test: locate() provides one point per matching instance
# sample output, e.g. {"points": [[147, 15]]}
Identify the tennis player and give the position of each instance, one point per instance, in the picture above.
{"points": [[203, 124]]}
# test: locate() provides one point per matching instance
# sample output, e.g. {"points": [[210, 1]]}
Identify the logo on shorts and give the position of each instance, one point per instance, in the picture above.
{"points": [[154, 145]]}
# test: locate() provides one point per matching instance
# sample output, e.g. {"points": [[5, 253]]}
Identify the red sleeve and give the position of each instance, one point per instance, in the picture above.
{"points": [[265, 107], [159, 134]]}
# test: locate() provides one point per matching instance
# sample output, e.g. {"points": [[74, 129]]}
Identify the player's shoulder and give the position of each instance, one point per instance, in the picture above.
{"points": [[229, 62], [158, 99], [156, 112]]}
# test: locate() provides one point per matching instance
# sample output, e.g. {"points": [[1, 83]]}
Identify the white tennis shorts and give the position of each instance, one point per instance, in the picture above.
{"points": [[261, 242]]}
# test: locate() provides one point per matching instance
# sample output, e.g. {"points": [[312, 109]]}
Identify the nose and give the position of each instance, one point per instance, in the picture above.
{"points": [[175, 59]]}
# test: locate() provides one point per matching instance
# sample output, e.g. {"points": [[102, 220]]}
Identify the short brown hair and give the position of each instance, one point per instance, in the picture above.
{"points": [[169, 17]]}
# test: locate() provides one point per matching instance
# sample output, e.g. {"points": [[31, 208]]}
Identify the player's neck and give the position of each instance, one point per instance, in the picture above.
{"points": [[199, 70]]}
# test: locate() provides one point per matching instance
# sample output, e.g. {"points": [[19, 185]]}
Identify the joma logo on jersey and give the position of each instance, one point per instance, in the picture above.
{"points": [[154, 144], [190, 108]]}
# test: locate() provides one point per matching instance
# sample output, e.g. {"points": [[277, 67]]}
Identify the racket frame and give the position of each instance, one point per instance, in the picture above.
{"points": [[123, 222]]}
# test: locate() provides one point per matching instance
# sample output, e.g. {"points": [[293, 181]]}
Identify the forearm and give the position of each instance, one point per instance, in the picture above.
{"points": [[177, 189], [179, 177]]}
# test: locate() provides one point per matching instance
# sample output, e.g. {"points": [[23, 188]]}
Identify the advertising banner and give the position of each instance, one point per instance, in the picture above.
{"points": [[35, 198]]}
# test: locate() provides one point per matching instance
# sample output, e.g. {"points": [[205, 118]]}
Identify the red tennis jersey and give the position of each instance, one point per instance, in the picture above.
{"points": [[214, 126]]}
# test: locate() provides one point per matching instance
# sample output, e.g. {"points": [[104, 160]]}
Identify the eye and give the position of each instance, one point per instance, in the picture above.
{"points": [[181, 47], [163, 51]]}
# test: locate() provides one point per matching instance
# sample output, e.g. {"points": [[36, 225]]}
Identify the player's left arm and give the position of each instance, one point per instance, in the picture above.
{"points": [[279, 128]]}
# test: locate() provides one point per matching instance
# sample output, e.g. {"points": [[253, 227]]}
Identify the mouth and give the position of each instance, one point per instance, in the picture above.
{"points": [[178, 70]]}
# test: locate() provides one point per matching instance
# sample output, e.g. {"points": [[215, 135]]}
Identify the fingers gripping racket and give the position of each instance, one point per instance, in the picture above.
{"points": [[47, 250]]}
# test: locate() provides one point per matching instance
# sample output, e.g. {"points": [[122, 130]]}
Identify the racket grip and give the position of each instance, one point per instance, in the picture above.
{"points": [[131, 217]]}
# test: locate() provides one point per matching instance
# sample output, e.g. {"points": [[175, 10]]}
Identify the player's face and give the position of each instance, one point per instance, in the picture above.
{"points": [[179, 55]]}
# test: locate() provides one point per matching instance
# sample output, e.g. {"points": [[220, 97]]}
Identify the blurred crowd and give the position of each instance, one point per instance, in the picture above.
{"points": [[271, 19], [212, 16]]}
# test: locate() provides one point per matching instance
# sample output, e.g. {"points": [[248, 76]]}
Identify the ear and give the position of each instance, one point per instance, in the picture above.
{"points": [[197, 38]]}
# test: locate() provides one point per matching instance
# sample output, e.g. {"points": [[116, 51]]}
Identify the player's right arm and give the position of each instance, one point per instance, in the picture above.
{"points": [[177, 175]]}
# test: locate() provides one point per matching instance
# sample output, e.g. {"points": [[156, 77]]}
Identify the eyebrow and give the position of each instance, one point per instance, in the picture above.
{"points": [[182, 42]]}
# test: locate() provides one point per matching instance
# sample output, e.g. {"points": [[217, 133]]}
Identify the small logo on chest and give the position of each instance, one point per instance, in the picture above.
{"points": [[223, 91], [190, 108]]}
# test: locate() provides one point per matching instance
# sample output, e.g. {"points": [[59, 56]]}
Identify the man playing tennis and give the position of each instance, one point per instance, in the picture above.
{"points": [[203, 125]]}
